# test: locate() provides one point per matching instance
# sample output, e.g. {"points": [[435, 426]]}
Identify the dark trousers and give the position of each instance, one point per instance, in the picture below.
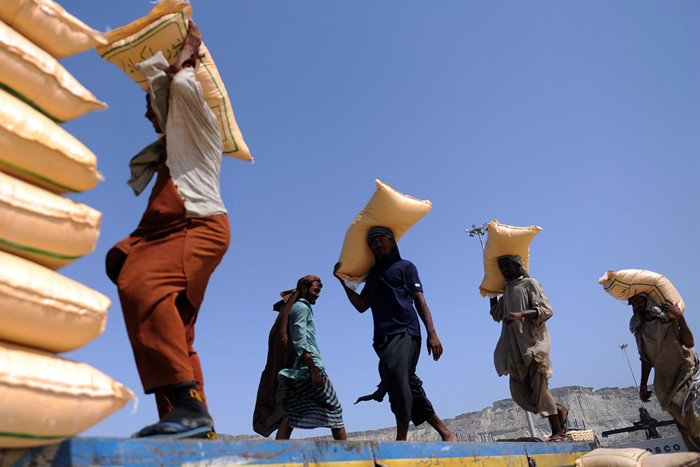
{"points": [[398, 358]]}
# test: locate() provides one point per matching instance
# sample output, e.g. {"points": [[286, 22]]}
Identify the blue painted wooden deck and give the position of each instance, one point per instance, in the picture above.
{"points": [[84, 452]]}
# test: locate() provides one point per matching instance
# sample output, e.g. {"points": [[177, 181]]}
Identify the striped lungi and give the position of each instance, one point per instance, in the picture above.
{"points": [[308, 407]]}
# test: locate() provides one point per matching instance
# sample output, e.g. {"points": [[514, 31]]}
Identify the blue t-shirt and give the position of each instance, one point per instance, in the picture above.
{"points": [[389, 287]]}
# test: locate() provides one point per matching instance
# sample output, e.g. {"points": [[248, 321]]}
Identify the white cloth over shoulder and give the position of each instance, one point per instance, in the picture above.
{"points": [[193, 139]]}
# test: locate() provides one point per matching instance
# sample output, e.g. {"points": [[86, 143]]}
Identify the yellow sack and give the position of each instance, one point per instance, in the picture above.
{"points": [[388, 208], [164, 29], [675, 459], [45, 399], [38, 79], [610, 457], [43, 309], [627, 283], [45, 228], [503, 240], [37, 150], [49, 26]]}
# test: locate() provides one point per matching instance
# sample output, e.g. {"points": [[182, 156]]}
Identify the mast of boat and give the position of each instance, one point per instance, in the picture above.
{"points": [[646, 422], [479, 231], [624, 350]]}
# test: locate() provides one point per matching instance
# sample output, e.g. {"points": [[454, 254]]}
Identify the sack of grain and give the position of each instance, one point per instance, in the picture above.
{"points": [[164, 29], [46, 228], [37, 150], [504, 240], [49, 26], [611, 457], [44, 309], [387, 208], [37, 78], [45, 399], [627, 283]]}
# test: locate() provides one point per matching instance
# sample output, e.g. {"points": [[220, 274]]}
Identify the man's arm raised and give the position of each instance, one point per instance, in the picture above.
{"points": [[189, 52], [360, 302], [674, 312]]}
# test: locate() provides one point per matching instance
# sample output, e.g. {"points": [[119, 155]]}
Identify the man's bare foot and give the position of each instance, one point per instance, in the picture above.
{"points": [[563, 412], [557, 438], [449, 437]]}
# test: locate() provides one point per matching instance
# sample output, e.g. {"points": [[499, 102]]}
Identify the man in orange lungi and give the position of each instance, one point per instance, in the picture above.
{"points": [[163, 267]]}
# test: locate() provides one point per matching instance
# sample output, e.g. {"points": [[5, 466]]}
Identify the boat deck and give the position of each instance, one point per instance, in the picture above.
{"points": [[84, 452]]}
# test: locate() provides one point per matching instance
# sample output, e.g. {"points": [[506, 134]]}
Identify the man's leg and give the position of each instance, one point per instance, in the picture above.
{"points": [[339, 434], [401, 430], [688, 426], [440, 427], [284, 431], [423, 410], [533, 395], [395, 359], [188, 314], [556, 425], [189, 417], [563, 412]]}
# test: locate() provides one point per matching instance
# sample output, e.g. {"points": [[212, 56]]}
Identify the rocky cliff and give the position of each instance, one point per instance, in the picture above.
{"points": [[601, 410]]}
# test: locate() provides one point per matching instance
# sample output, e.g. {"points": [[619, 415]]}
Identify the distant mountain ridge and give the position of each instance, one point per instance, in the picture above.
{"points": [[600, 410]]}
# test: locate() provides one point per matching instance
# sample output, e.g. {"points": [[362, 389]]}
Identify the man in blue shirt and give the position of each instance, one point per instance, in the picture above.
{"points": [[392, 289]]}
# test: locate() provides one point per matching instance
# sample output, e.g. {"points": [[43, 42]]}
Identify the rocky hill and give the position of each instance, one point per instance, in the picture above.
{"points": [[601, 410]]}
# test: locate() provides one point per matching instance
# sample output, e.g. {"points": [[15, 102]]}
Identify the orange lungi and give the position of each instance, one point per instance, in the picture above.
{"points": [[161, 271]]}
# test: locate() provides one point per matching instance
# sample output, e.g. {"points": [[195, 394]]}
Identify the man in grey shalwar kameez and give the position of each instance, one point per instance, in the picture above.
{"points": [[665, 343], [523, 348]]}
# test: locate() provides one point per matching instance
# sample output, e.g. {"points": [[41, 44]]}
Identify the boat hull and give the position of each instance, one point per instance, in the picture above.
{"points": [[83, 452]]}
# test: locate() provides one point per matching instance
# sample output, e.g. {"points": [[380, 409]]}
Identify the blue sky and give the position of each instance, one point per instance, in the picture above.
{"points": [[579, 117]]}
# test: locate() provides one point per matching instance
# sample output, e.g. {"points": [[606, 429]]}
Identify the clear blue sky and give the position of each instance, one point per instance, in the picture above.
{"points": [[579, 117]]}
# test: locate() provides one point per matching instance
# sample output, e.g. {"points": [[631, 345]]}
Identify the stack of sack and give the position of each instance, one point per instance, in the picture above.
{"points": [[45, 398]]}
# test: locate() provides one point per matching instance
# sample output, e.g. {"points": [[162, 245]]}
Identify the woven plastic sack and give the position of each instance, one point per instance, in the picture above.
{"points": [[37, 78], [164, 29], [43, 309], [610, 457], [43, 227], [37, 150], [45, 399], [388, 208], [503, 240], [627, 283], [676, 459], [50, 26]]}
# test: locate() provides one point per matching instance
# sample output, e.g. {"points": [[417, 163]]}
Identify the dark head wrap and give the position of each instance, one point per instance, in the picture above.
{"points": [[268, 412], [652, 307], [292, 295], [379, 231], [517, 260]]}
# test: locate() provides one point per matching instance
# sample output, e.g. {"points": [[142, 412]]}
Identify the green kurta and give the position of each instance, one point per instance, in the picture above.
{"points": [[302, 337]]}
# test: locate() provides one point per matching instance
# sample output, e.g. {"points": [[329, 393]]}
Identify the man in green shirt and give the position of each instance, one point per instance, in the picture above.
{"points": [[310, 400]]}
